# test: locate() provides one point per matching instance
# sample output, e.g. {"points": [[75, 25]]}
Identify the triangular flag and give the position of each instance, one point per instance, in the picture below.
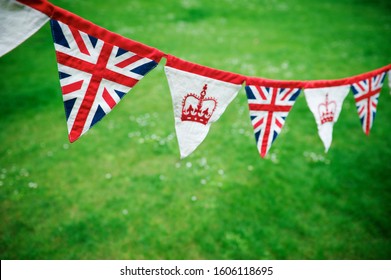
{"points": [[17, 23], [326, 104], [366, 94], [269, 107], [96, 69], [200, 96]]}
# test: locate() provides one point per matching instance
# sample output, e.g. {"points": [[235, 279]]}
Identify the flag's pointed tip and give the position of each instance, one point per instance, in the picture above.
{"points": [[184, 155], [326, 146], [72, 138]]}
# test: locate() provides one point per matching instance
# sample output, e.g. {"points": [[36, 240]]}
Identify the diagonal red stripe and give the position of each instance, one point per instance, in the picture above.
{"points": [[128, 61], [72, 87], [259, 89], [360, 86], [278, 123], [378, 80], [109, 100], [361, 110], [258, 123], [287, 94], [79, 41]]}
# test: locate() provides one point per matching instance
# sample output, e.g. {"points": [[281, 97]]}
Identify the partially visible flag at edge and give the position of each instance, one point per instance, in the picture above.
{"points": [[366, 94], [18, 22]]}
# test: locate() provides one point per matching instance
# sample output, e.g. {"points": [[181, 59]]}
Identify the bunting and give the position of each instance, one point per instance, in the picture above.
{"points": [[366, 94], [17, 23], [326, 105], [269, 108], [98, 67], [200, 96]]}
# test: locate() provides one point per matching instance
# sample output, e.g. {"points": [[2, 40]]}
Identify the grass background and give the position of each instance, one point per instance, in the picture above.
{"points": [[121, 192]]}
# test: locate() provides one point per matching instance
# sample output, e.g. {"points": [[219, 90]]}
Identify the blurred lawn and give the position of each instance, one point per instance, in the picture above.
{"points": [[121, 192]]}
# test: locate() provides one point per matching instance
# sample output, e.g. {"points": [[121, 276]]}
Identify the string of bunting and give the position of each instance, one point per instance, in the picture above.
{"points": [[98, 67]]}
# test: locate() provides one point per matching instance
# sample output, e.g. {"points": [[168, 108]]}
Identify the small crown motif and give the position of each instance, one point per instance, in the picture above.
{"points": [[327, 110], [198, 108]]}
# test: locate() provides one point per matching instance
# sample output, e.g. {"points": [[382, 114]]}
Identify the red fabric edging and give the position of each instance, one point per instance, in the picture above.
{"points": [[90, 28], [40, 5], [316, 83], [187, 66], [274, 83], [346, 81]]}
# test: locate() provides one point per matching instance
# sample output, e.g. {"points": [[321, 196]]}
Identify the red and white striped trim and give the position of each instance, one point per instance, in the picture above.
{"points": [[315, 83], [92, 29], [205, 71], [346, 81]]}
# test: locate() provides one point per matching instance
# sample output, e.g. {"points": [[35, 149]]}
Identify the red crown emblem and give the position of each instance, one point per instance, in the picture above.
{"points": [[198, 108], [327, 110]]}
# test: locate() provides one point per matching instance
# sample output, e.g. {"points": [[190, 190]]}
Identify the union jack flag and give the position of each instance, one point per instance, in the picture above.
{"points": [[366, 94], [269, 108], [94, 75]]}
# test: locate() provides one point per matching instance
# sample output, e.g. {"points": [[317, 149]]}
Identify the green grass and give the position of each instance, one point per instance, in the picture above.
{"points": [[121, 192]]}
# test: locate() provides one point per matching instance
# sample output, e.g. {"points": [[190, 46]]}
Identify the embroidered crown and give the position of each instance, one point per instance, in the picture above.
{"points": [[198, 108], [327, 110]]}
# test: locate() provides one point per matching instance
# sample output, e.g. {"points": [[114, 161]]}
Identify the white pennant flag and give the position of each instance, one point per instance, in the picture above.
{"points": [[17, 23], [200, 96], [326, 104]]}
